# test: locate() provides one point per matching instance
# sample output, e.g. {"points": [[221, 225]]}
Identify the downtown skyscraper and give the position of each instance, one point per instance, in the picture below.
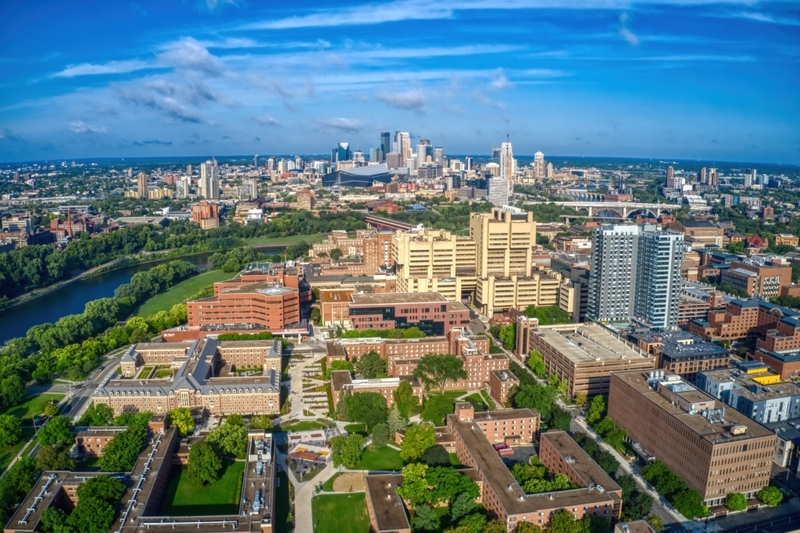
{"points": [[507, 165], [208, 184], [636, 276]]}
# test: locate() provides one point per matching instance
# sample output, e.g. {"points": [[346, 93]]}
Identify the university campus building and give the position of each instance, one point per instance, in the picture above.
{"points": [[717, 451], [473, 435], [197, 375]]}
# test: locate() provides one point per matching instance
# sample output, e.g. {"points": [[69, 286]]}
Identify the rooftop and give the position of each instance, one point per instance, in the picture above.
{"points": [[584, 343], [390, 513], [713, 432], [398, 298]]}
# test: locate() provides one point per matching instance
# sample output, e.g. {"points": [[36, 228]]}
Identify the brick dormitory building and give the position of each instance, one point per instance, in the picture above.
{"points": [[717, 451], [472, 436], [484, 370], [139, 509], [200, 375]]}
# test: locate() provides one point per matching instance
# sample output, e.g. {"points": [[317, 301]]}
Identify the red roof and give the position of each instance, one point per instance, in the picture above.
{"points": [[757, 242]]}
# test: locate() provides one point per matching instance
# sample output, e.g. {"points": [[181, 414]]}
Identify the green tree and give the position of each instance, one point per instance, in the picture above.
{"points": [[580, 399], [182, 419], [380, 435], [563, 521], [736, 501], [338, 365], [54, 520], [57, 432], [498, 526], [417, 439], [204, 464], [560, 418], [346, 450], [50, 409], [690, 504], [656, 523], [527, 527], [54, 458], [535, 396], [366, 407], [435, 456], [104, 488], [12, 391], [230, 438], [770, 495], [536, 364], [395, 420], [595, 524], [435, 369], [473, 522], [415, 484], [336, 254], [10, 430], [446, 483], [371, 365], [461, 505], [121, 453], [425, 519], [91, 516], [260, 422], [404, 398], [508, 336], [597, 409], [436, 408]]}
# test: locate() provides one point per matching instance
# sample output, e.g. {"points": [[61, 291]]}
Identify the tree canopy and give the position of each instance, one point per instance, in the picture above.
{"points": [[436, 369], [417, 439], [121, 453], [204, 464], [436, 408]]}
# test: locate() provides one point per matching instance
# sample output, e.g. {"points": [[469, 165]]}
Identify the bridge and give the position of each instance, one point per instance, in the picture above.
{"points": [[619, 209], [387, 223]]}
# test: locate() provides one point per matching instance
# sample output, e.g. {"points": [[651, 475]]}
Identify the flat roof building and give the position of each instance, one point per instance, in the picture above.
{"points": [[683, 353], [716, 451], [429, 311], [586, 354]]}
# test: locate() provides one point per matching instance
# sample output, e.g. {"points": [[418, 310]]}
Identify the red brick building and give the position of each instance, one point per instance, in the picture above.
{"points": [[429, 311]]}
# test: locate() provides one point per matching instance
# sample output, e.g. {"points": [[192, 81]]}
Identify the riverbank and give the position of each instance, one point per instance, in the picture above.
{"points": [[181, 292]]}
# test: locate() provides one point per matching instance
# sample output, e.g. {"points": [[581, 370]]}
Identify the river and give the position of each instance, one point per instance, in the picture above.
{"points": [[71, 299]]}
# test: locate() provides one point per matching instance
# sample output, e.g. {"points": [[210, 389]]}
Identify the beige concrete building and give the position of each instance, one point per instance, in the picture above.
{"points": [[493, 267], [716, 451], [586, 355]]}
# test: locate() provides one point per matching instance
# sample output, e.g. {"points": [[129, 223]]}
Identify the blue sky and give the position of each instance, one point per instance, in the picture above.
{"points": [[672, 79]]}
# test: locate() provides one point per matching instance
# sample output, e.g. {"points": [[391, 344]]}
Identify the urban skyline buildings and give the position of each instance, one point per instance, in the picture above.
{"points": [[208, 184]]}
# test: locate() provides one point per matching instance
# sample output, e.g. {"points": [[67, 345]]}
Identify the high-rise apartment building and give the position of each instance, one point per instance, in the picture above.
{"points": [[182, 187], [402, 144], [208, 184], [251, 186], [670, 184], [141, 190], [702, 176], [498, 191], [539, 168], [658, 278], [751, 178], [635, 275], [507, 165], [550, 171], [713, 177]]}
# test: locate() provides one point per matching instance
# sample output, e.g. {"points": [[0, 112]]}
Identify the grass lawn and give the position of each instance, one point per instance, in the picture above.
{"points": [[163, 372], [303, 426], [328, 485], [144, 373], [184, 498], [340, 513], [282, 503], [277, 241], [385, 458], [454, 394], [477, 402], [488, 400], [181, 292], [356, 428], [90, 463], [454, 460], [33, 406], [8, 453]]}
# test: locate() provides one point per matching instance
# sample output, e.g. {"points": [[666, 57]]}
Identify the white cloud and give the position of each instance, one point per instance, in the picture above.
{"points": [[112, 67], [349, 125], [500, 81], [412, 100], [79, 126], [624, 32], [764, 17], [266, 120], [189, 54]]}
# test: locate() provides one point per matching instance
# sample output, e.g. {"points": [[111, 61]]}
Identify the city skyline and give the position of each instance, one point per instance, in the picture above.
{"points": [[616, 79]]}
